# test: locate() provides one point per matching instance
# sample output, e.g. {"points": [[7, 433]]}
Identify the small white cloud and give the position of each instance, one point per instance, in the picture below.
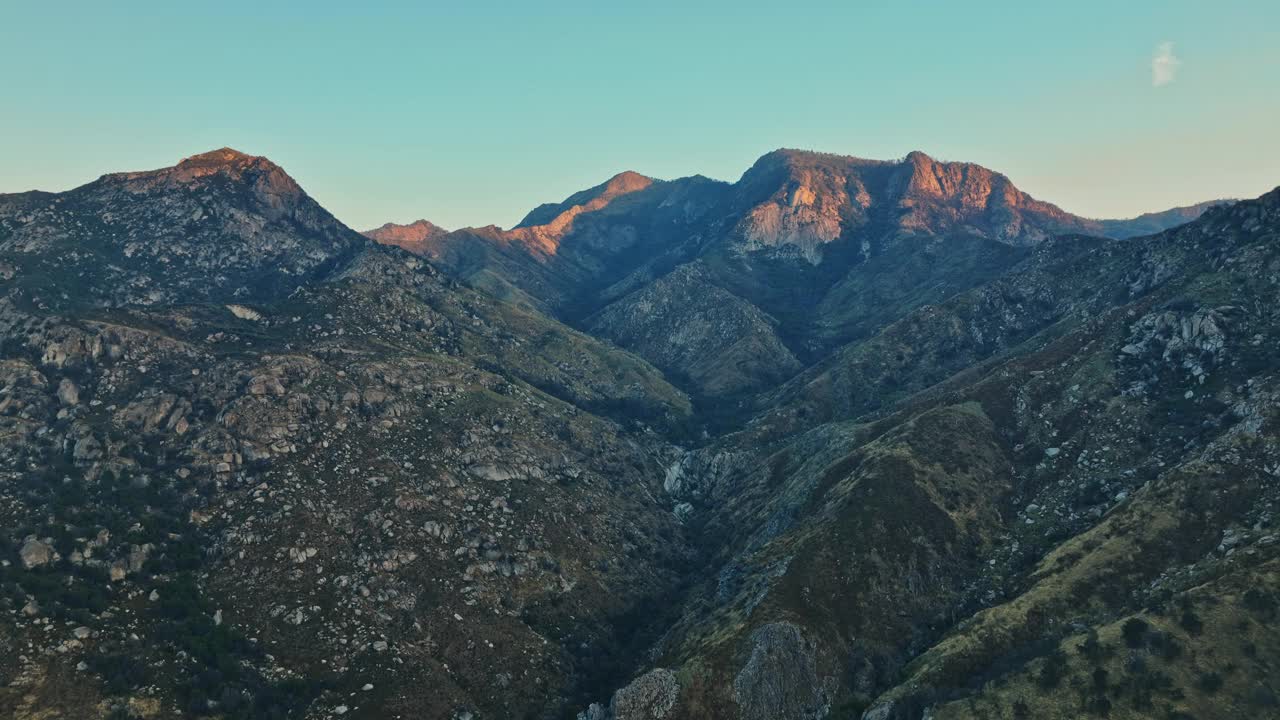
{"points": [[1164, 65]]}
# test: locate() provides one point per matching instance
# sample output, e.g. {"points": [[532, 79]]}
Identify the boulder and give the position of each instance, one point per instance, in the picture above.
{"points": [[651, 696], [68, 393], [35, 553], [87, 449]]}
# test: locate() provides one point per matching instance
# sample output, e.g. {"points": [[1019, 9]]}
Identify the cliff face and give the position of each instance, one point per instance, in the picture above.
{"points": [[820, 198]]}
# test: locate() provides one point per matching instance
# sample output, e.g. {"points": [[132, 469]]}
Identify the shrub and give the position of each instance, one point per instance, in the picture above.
{"points": [[1094, 650], [1191, 622], [1134, 631], [1260, 603], [1164, 644], [120, 673], [1210, 682], [1051, 672]]}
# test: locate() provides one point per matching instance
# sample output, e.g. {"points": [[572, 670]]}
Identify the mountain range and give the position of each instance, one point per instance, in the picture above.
{"points": [[846, 438]]}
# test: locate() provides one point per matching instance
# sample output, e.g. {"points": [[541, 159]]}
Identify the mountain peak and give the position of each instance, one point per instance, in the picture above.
{"points": [[221, 224], [557, 216], [221, 156], [412, 237], [625, 182], [919, 158], [796, 165], [801, 200], [225, 160], [268, 180]]}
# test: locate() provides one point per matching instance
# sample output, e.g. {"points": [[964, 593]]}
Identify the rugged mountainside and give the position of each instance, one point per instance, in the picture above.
{"points": [[806, 252], [219, 226], [563, 257], [1054, 507], [949, 453], [379, 491]]}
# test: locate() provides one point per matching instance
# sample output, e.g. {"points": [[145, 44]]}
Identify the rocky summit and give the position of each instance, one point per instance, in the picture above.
{"points": [[845, 438]]}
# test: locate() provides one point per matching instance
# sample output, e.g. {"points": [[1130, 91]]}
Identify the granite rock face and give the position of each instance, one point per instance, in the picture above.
{"points": [[651, 696], [780, 679]]}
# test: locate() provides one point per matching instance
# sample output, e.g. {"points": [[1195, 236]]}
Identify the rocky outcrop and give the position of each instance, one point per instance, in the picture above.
{"points": [[34, 553], [651, 696], [821, 198], [68, 393], [780, 680]]}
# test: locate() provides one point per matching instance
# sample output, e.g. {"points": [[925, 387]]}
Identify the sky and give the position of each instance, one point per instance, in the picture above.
{"points": [[473, 112]]}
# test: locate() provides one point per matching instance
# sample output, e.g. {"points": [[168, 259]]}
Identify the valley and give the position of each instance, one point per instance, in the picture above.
{"points": [[844, 438]]}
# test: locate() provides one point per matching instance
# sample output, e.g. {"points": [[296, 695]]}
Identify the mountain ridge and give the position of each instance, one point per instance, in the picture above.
{"points": [[256, 464], [798, 238]]}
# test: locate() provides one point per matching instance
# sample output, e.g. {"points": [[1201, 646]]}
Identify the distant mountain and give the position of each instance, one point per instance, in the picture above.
{"points": [[222, 225], [1152, 223], [562, 256], [560, 215], [415, 237], [802, 201], [805, 252]]}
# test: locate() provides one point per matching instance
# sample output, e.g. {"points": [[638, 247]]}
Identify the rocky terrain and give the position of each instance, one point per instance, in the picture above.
{"points": [[369, 491], [806, 252], [843, 439]]}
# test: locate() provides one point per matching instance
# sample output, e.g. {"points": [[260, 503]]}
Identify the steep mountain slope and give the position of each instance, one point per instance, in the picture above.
{"points": [[378, 494], [833, 249], [1054, 521], [718, 342], [220, 226], [561, 257]]}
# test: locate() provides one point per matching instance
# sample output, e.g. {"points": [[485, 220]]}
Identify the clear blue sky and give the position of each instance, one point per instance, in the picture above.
{"points": [[472, 112]]}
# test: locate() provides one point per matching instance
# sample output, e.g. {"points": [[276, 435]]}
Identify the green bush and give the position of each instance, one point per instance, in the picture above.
{"points": [[1134, 631], [1210, 682], [1191, 622], [1260, 602], [1052, 671], [121, 674]]}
